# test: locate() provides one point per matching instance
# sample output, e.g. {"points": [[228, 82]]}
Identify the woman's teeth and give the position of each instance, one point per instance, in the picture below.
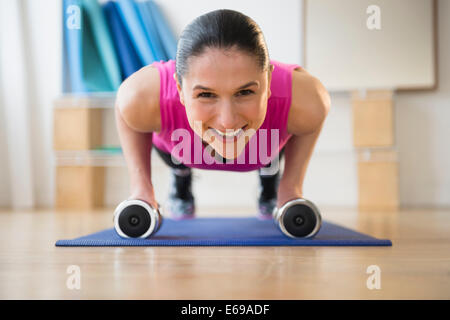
{"points": [[230, 136], [228, 133]]}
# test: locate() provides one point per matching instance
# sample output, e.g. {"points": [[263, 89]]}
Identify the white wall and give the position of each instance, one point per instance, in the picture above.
{"points": [[5, 192], [16, 102], [29, 81], [422, 129], [45, 35], [280, 22], [422, 125], [423, 132]]}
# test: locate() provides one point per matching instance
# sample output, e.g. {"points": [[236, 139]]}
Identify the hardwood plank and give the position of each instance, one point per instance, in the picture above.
{"points": [[416, 267]]}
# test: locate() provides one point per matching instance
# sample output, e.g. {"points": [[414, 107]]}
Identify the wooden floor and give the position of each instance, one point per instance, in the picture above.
{"points": [[417, 266]]}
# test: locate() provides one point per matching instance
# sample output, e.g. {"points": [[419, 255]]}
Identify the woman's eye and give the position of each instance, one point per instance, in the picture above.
{"points": [[211, 95], [245, 92], [205, 95]]}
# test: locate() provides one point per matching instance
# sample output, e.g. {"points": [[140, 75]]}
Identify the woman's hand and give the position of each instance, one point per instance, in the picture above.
{"points": [[145, 193], [286, 193]]}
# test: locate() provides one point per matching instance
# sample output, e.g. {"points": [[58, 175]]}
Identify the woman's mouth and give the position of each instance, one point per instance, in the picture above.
{"points": [[229, 136]]}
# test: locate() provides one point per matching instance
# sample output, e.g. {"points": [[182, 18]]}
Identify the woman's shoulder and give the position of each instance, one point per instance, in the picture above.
{"points": [[282, 78], [138, 98], [310, 103]]}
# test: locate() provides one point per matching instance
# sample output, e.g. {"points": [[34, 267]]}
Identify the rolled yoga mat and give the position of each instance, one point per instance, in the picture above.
{"points": [[226, 232]]}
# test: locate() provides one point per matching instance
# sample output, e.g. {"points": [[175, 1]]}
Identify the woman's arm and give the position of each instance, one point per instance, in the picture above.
{"points": [[297, 153], [309, 109], [136, 121]]}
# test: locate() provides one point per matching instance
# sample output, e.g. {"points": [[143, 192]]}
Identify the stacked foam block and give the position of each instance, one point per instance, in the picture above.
{"points": [[373, 138], [77, 123]]}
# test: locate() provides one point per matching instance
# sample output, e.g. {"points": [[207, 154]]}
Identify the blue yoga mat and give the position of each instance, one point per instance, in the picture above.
{"points": [[227, 232]]}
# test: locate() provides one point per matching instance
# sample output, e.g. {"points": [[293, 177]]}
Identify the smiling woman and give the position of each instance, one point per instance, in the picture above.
{"points": [[235, 98], [221, 105]]}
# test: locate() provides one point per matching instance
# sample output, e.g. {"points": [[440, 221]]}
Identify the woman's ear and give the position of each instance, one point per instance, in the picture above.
{"points": [[180, 92]]}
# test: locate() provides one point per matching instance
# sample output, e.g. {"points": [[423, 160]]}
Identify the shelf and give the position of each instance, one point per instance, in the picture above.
{"points": [[96, 100], [111, 157]]}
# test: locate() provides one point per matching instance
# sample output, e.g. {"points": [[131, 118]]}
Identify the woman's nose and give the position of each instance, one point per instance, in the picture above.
{"points": [[227, 118]]}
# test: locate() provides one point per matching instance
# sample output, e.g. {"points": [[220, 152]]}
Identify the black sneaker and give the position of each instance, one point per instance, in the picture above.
{"points": [[265, 208], [267, 200], [181, 203]]}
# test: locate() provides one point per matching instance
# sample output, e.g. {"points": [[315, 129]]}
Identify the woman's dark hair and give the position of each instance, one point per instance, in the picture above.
{"points": [[220, 29]]}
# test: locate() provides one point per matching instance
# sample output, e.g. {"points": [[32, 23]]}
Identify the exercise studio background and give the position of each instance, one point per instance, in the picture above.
{"points": [[31, 78]]}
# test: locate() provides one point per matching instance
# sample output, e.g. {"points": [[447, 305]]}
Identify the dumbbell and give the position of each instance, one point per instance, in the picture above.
{"points": [[298, 218], [136, 219]]}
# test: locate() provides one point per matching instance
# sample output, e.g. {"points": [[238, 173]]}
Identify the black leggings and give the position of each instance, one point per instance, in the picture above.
{"points": [[167, 158]]}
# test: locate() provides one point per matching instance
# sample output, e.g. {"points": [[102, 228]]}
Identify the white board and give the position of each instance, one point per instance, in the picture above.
{"points": [[345, 54]]}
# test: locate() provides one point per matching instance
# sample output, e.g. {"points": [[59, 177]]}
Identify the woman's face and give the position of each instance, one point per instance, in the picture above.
{"points": [[225, 92]]}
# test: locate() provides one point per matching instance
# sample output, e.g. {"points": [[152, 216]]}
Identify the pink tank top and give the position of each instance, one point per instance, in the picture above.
{"points": [[262, 147]]}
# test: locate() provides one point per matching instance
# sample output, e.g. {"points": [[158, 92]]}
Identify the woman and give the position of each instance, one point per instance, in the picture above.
{"points": [[207, 110]]}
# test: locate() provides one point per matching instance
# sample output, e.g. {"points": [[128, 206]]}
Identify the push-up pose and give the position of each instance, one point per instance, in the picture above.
{"points": [[221, 105]]}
